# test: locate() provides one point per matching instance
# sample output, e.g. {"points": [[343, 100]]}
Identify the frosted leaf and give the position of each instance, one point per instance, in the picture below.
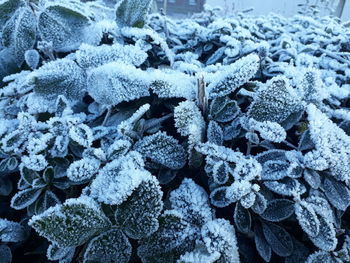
{"points": [[262, 246], [82, 134], [173, 84], [83, 170], [238, 189], [248, 200], [13, 140], [320, 256], [275, 102], [127, 126], [312, 178], [220, 152], [132, 13], [307, 218], [231, 77], [19, 33], [173, 238], [59, 77], [7, 9], [220, 172], [192, 202], [270, 131], [321, 207], [113, 186], [199, 255], [110, 247], [5, 254], [274, 170], [118, 148], [242, 219], [312, 87], [36, 162], [115, 82], [215, 133], [186, 114], [11, 231], [72, 223], [286, 187], [45, 201], [162, 149], [260, 203], [32, 58], [278, 210], [64, 25], [337, 193], [279, 239], [222, 109], [247, 169], [55, 252], [91, 56], [220, 198], [138, 215], [326, 238], [331, 143], [24, 198], [219, 236]]}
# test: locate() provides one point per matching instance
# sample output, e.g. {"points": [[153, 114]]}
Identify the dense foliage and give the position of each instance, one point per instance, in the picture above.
{"points": [[130, 137]]}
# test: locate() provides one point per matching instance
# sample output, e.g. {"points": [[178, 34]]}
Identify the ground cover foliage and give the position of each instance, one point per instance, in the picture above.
{"points": [[131, 137]]}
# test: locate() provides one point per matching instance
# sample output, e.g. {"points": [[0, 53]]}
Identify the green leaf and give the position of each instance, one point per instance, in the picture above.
{"points": [[25, 197], [54, 252], [138, 215], [222, 109], [278, 238], [19, 33], [307, 218], [71, 224], [109, 247], [132, 12], [63, 25], [278, 210]]}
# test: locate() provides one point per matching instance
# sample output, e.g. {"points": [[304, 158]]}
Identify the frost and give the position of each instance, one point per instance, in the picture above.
{"points": [[72, 223], [34, 162], [24, 198], [64, 25], [312, 87], [307, 218], [11, 231], [59, 77], [32, 58], [90, 56], [268, 130], [331, 143], [162, 149], [275, 102], [114, 185], [278, 210], [82, 134], [19, 33], [132, 13], [219, 236], [173, 84], [114, 83], [82, 170], [229, 78], [127, 126], [192, 201], [138, 215], [108, 247]]}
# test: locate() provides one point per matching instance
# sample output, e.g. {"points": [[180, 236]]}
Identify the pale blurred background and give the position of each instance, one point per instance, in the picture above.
{"points": [[339, 8]]}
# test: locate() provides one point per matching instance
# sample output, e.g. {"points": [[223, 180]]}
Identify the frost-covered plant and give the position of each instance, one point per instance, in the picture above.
{"points": [[130, 137]]}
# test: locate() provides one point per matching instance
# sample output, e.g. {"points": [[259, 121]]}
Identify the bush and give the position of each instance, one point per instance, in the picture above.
{"points": [[130, 137]]}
